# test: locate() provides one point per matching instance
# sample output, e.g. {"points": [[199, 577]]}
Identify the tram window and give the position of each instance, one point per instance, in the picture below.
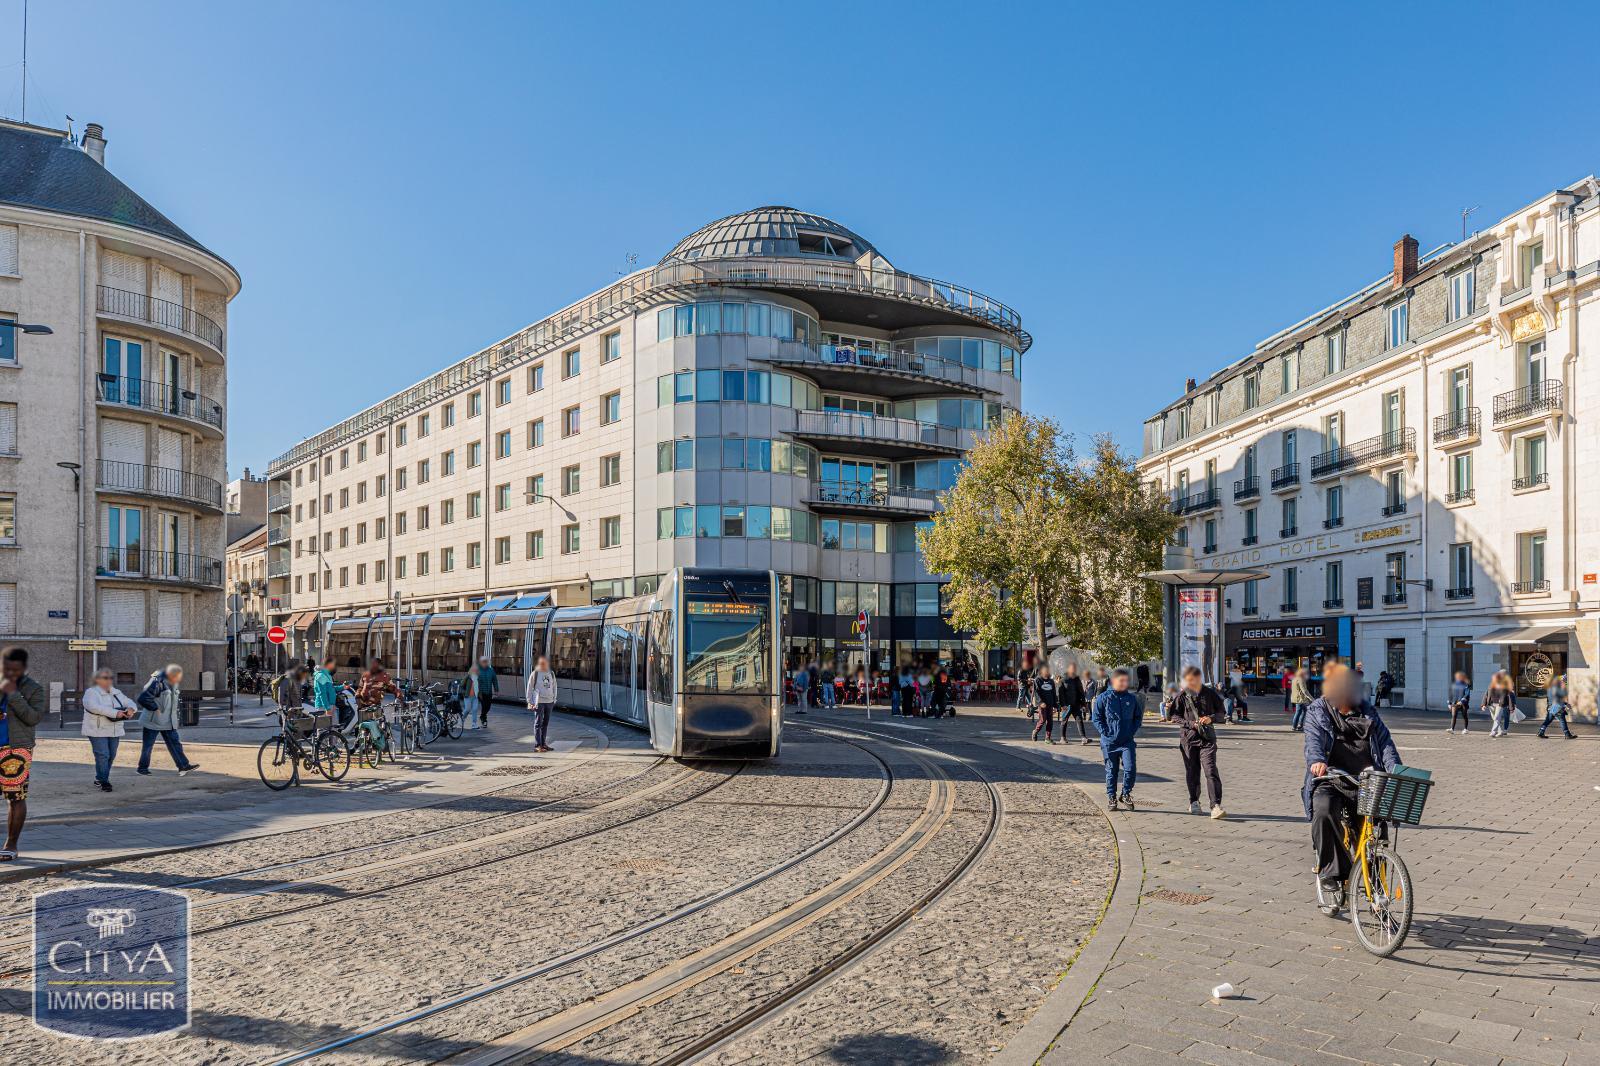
{"points": [[572, 651], [505, 650], [345, 647], [539, 629], [449, 651], [621, 649], [661, 656], [640, 663], [726, 646]]}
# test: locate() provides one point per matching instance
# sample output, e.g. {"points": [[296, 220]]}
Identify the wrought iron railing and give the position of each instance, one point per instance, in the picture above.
{"points": [[1459, 496], [1286, 475], [1202, 500], [1538, 398], [161, 397], [1248, 541], [1531, 481], [1247, 487], [1372, 450], [1289, 608], [158, 312], [1333, 523], [1530, 586], [1390, 599], [1456, 425], [160, 481], [140, 562], [1392, 509], [1463, 593], [1333, 604], [845, 356], [1289, 531]]}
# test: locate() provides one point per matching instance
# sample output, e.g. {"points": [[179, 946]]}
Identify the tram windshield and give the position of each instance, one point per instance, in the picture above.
{"points": [[727, 646]]}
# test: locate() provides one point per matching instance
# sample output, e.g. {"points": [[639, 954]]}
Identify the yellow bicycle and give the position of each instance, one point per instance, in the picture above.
{"points": [[1379, 882]]}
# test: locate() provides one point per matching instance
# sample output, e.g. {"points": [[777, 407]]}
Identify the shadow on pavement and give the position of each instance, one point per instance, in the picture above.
{"points": [[1509, 949]]}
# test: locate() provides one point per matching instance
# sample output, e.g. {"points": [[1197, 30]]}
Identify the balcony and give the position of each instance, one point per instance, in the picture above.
{"points": [[1286, 476], [160, 398], [1289, 531], [1249, 610], [1335, 604], [1463, 593], [172, 318], [1385, 446], [1209, 549], [1530, 481], [1248, 541], [277, 532], [1460, 496], [278, 566], [164, 482], [278, 499], [840, 497], [1393, 599], [136, 563], [1392, 509], [1247, 488], [1201, 500], [1528, 588], [892, 375], [888, 438], [1456, 427], [1528, 403], [1333, 523], [1289, 608]]}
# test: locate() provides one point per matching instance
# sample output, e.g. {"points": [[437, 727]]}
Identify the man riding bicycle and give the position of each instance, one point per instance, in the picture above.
{"points": [[373, 684], [1343, 732]]}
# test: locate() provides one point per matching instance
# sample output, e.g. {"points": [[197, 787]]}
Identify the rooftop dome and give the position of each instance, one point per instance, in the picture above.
{"points": [[771, 231]]}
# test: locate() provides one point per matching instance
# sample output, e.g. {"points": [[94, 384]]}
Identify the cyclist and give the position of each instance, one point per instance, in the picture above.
{"points": [[324, 693], [1343, 732], [373, 684]]}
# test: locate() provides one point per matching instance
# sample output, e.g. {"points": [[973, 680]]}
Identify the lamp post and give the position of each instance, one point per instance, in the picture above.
{"points": [[77, 573], [32, 329]]}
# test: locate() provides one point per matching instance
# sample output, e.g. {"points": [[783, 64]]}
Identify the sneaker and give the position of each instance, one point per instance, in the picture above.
{"points": [[1541, 736], [187, 770], [1218, 812], [103, 786], [142, 770], [1051, 741], [1111, 802], [1194, 807], [1086, 740], [1127, 801]]}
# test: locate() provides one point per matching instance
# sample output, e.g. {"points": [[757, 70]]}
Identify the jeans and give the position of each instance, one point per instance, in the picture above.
{"points": [[1551, 715], [1116, 758], [541, 724], [1046, 722], [894, 700], [1200, 756], [105, 753], [828, 694], [1458, 710], [1299, 715], [174, 748], [1071, 714]]}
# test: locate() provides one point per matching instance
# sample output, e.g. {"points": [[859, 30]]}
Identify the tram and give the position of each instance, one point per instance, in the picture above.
{"points": [[697, 662]]}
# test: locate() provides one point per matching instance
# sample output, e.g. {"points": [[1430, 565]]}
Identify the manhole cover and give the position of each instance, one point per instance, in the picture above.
{"points": [[1183, 899], [513, 771]]}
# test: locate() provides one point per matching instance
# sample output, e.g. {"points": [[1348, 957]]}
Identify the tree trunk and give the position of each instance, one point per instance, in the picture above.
{"points": [[1038, 621]]}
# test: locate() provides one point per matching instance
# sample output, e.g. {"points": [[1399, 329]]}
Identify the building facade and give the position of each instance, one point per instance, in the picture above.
{"points": [[1407, 468], [112, 435], [773, 394], [245, 579]]}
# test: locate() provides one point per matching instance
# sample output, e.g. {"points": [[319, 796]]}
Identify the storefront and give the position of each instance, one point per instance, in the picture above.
{"points": [[1538, 655], [1260, 652]]}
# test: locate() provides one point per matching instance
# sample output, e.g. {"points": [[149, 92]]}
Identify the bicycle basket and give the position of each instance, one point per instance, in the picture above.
{"points": [[371, 714], [1393, 797], [302, 725]]}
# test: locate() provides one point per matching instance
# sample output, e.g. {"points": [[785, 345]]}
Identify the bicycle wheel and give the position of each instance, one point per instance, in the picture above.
{"points": [[429, 727], [406, 736], [1380, 905], [453, 724], [275, 762], [333, 758], [390, 744], [367, 751]]}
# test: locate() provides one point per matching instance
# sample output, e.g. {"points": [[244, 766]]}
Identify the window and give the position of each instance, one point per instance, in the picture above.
{"points": [[1458, 391], [379, 570], [1399, 324], [344, 577], [1252, 389], [611, 347], [1460, 572], [399, 523], [474, 453], [447, 415], [1252, 596], [502, 444], [610, 408], [327, 503], [536, 377], [570, 363], [535, 491], [1532, 260], [502, 550], [611, 531], [1532, 369], [447, 464], [502, 497], [379, 447], [423, 473], [424, 517], [536, 433], [8, 519], [1530, 458], [536, 544], [399, 566], [344, 459], [400, 435], [1251, 534], [1289, 372], [569, 539], [474, 504], [1530, 563], [447, 514], [422, 425], [361, 532], [474, 403], [1335, 352], [380, 485], [361, 492], [1291, 523], [9, 266], [1394, 581], [1394, 493], [422, 564], [474, 555], [361, 451], [1291, 588], [1460, 478], [610, 470], [569, 421], [361, 573], [380, 528], [1333, 586], [1460, 295], [1333, 430], [1290, 447], [502, 392], [1335, 505], [447, 560], [1393, 412], [400, 479], [570, 480], [1211, 535]]}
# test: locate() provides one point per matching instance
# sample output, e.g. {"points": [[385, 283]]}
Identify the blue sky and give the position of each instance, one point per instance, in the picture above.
{"points": [[1154, 187]]}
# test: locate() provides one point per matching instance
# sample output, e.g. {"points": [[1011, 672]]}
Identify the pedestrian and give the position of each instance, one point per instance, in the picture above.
{"points": [[487, 684], [1169, 703], [104, 711], [1229, 694], [1556, 707], [1117, 716], [1197, 707], [1300, 697], [372, 686], [1498, 703], [324, 692], [158, 705], [1460, 699], [1385, 688], [541, 698], [1141, 674], [861, 684], [906, 692], [22, 707], [1074, 703], [1286, 682], [1049, 697], [1026, 700], [943, 694], [829, 696]]}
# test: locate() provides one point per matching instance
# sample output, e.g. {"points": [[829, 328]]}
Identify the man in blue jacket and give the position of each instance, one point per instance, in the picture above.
{"points": [[1343, 732], [1117, 715]]}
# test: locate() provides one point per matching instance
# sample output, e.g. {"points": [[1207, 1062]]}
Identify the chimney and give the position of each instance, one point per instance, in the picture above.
{"points": [[1405, 260], [1188, 385], [94, 142]]}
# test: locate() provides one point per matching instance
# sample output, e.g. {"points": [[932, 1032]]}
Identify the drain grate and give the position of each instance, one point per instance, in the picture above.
{"points": [[1183, 899], [513, 771]]}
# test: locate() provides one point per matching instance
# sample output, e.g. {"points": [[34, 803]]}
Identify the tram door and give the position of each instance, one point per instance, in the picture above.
{"points": [[617, 654]]}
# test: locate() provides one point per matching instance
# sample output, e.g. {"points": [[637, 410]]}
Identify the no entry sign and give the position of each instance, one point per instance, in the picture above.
{"points": [[277, 634]]}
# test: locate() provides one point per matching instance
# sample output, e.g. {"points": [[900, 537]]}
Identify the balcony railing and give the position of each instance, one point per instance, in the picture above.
{"points": [[157, 312], [1248, 541], [1459, 496], [1248, 610], [1289, 531], [1463, 593], [160, 397], [1202, 500], [1530, 401], [850, 358], [1391, 599], [1372, 450], [278, 567], [1392, 509], [1288, 608], [1247, 487], [1456, 425], [877, 428], [1333, 523], [139, 562], [854, 494], [1524, 587], [1209, 549], [1286, 475], [277, 533], [1531, 481], [118, 476], [1333, 604], [278, 500]]}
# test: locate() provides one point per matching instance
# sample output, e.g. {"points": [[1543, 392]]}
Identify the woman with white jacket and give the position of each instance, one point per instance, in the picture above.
{"points": [[541, 700], [104, 709]]}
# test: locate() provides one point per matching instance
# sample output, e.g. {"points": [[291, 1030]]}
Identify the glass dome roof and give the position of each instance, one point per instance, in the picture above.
{"points": [[771, 231]]}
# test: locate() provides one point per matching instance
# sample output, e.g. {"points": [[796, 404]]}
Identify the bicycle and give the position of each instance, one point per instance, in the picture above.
{"points": [[1378, 875], [302, 740]]}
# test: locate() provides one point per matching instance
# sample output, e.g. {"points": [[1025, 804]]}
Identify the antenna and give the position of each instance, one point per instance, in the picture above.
{"points": [[24, 60], [633, 263], [1465, 213]]}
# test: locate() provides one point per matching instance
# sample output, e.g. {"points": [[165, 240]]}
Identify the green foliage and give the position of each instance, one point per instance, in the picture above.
{"points": [[1031, 526]]}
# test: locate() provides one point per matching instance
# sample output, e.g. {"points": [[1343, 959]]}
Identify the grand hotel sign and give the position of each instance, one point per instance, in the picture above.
{"points": [[1332, 542]]}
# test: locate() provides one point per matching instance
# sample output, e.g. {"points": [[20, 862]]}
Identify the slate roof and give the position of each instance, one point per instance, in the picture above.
{"points": [[764, 231]]}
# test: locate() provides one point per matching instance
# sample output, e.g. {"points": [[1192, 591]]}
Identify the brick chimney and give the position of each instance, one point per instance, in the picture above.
{"points": [[1188, 385], [1405, 260]]}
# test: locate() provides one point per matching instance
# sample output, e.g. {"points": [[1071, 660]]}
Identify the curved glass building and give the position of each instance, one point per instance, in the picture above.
{"points": [[774, 393]]}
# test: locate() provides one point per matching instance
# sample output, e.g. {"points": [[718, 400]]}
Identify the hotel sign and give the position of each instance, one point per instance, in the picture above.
{"points": [[1333, 542]]}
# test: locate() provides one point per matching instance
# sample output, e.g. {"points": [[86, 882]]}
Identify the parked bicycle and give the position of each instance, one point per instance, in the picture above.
{"points": [[1379, 883], [302, 740]]}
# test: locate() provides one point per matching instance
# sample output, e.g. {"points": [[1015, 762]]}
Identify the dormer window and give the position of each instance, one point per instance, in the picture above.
{"points": [[825, 244]]}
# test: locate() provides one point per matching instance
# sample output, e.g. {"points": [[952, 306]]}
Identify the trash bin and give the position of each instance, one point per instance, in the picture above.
{"points": [[189, 713]]}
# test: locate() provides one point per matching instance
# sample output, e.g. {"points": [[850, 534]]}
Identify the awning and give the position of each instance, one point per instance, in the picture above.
{"points": [[303, 620], [1523, 634], [1190, 576]]}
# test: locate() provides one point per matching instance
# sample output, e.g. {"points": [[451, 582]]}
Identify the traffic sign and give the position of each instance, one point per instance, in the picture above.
{"points": [[86, 645], [277, 634]]}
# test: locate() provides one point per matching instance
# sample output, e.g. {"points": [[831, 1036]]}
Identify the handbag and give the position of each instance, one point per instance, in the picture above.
{"points": [[1517, 715]]}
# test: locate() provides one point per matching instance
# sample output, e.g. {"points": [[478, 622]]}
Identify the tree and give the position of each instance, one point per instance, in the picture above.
{"points": [[1030, 527]]}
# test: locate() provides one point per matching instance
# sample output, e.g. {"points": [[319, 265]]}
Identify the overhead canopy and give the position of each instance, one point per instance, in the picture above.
{"points": [[1535, 634], [303, 620], [1191, 576], [530, 600]]}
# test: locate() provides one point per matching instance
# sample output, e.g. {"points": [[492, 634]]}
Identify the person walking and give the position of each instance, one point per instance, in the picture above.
{"points": [[1460, 699], [159, 704], [488, 688], [324, 693], [1556, 707], [1049, 697], [829, 696], [22, 708], [104, 711], [905, 690], [541, 699], [1197, 707], [1169, 703], [1286, 682], [1117, 716], [1498, 703], [1300, 697], [802, 688], [1074, 703]]}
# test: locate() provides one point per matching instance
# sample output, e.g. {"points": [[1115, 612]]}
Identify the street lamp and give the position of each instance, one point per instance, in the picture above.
{"points": [[32, 329]]}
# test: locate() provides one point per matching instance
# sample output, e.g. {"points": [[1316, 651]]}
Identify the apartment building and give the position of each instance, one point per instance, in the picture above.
{"points": [[113, 369], [1406, 465], [773, 394]]}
